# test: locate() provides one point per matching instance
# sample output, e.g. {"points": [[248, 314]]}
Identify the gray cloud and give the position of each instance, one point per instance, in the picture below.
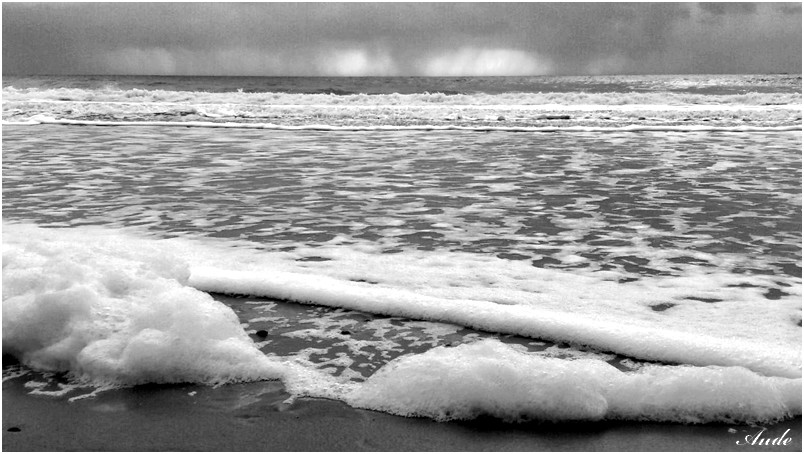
{"points": [[790, 8], [729, 8], [394, 38]]}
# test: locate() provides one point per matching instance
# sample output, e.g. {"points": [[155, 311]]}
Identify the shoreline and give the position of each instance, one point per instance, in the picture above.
{"points": [[255, 416], [351, 344]]}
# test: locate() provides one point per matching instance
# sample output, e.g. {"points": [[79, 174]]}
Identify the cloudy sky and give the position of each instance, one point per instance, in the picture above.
{"points": [[377, 39]]}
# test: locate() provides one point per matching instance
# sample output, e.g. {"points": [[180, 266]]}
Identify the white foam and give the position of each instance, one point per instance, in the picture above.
{"points": [[114, 308], [418, 127], [597, 322], [491, 378], [514, 112], [504, 296]]}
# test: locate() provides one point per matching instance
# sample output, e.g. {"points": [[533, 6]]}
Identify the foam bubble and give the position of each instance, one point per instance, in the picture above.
{"points": [[113, 310], [491, 378]]}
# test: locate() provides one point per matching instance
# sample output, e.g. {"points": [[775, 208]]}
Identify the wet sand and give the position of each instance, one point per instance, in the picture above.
{"points": [[255, 417]]}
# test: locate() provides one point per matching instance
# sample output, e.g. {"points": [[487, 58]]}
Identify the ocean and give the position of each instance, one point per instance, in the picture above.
{"points": [[548, 248]]}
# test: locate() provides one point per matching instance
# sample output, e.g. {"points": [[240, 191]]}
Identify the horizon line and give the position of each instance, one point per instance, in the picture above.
{"points": [[781, 73]]}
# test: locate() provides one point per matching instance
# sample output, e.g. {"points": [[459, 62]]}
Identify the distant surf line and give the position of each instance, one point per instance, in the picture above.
{"points": [[272, 126], [440, 105]]}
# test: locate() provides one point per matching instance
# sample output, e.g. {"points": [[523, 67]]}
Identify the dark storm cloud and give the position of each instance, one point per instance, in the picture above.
{"points": [[391, 38], [794, 8], [729, 8], [583, 33]]}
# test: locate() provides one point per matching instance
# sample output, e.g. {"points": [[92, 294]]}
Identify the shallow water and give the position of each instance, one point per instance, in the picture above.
{"points": [[687, 241], [596, 201]]}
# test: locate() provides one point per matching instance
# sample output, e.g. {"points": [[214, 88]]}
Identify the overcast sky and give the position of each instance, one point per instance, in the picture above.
{"points": [[377, 39]]}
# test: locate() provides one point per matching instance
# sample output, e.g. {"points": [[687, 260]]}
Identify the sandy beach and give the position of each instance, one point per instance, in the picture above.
{"points": [[254, 417]]}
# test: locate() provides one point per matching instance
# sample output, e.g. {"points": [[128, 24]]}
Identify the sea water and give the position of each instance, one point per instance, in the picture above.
{"points": [[646, 250]]}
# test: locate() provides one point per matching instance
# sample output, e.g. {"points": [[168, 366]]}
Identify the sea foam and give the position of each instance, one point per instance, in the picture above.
{"points": [[510, 111], [116, 308], [491, 378], [112, 310]]}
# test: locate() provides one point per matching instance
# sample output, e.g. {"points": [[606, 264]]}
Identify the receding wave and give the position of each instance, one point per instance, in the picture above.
{"points": [[114, 308]]}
